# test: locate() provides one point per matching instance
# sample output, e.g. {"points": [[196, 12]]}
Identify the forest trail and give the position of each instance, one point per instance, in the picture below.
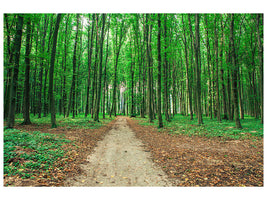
{"points": [[120, 160]]}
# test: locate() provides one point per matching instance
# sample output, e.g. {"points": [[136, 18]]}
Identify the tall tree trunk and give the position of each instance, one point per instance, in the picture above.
{"points": [[90, 50], [149, 66], [188, 84], [234, 74], [159, 73], [14, 83], [65, 69], [51, 74], [27, 120], [260, 55], [198, 70], [96, 115], [209, 71], [105, 86], [165, 73], [74, 60], [10, 56], [217, 71], [222, 72], [40, 84]]}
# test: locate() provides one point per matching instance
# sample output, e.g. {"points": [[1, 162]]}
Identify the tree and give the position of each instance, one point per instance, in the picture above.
{"points": [[234, 73], [98, 95], [13, 87], [40, 83], [188, 82], [198, 70], [159, 73], [149, 66], [51, 74], [105, 72], [165, 74], [217, 71], [90, 50], [27, 120], [260, 55]]}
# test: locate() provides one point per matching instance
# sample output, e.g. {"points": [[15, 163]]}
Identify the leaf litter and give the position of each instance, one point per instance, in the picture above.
{"points": [[200, 161]]}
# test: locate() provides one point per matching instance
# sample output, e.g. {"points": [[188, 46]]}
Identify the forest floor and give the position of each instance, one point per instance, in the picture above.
{"points": [[202, 161], [124, 153]]}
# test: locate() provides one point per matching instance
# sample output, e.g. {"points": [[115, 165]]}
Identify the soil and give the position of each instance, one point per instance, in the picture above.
{"points": [[120, 159], [201, 161]]}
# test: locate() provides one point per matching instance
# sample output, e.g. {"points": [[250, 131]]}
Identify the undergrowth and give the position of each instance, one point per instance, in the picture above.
{"points": [[29, 154], [78, 122], [179, 124]]}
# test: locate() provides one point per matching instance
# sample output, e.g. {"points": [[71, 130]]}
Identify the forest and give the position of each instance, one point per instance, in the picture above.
{"points": [[133, 64], [156, 68]]}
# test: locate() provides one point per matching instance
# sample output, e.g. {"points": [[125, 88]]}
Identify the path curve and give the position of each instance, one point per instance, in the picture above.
{"points": [[120, 160]]}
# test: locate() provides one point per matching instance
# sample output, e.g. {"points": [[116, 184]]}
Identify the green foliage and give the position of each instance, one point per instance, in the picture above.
{"points": [[78, 122], [27, 154], [182, 125]]}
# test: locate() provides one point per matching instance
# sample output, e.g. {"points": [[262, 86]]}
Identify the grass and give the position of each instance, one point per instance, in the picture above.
{"points": [[29, 154], [252, 128], [78, 122]]}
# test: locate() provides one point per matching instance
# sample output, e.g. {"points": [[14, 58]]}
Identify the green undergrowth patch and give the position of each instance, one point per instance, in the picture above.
{"points": [[29, 154], [179, 124], [80, 121]]}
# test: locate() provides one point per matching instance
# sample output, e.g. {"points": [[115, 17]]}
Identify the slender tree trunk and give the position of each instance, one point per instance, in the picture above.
{"points": [[51, 74], [96, 115], [187, 73], [159, 73], [14, 83], [65, 69], [217, 71], [222, 73], [9, 71], [234, 74], [40, 84], [209, 71], [105, 74], [148, 35], [90, 50], [198, 70], [27, 120], [260, 55], [165, 73]]}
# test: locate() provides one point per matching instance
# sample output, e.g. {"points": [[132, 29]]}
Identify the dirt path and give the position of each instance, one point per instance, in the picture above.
{"points": [[120, 160]]}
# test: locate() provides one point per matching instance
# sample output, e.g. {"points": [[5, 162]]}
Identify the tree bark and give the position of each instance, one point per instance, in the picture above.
{"points": [[96, 115], [105, 86], [14, 83], [188, 83], [217, 71], [198, 70], [165, 75], [40, 84], [159, 73], [51, 74], [260, 55], [27, 120], [90, 50], [234, 74], [149, 66]]}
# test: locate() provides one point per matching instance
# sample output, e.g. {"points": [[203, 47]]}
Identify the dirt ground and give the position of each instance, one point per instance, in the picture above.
{"points": [[120, 160], [201, 161]]}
